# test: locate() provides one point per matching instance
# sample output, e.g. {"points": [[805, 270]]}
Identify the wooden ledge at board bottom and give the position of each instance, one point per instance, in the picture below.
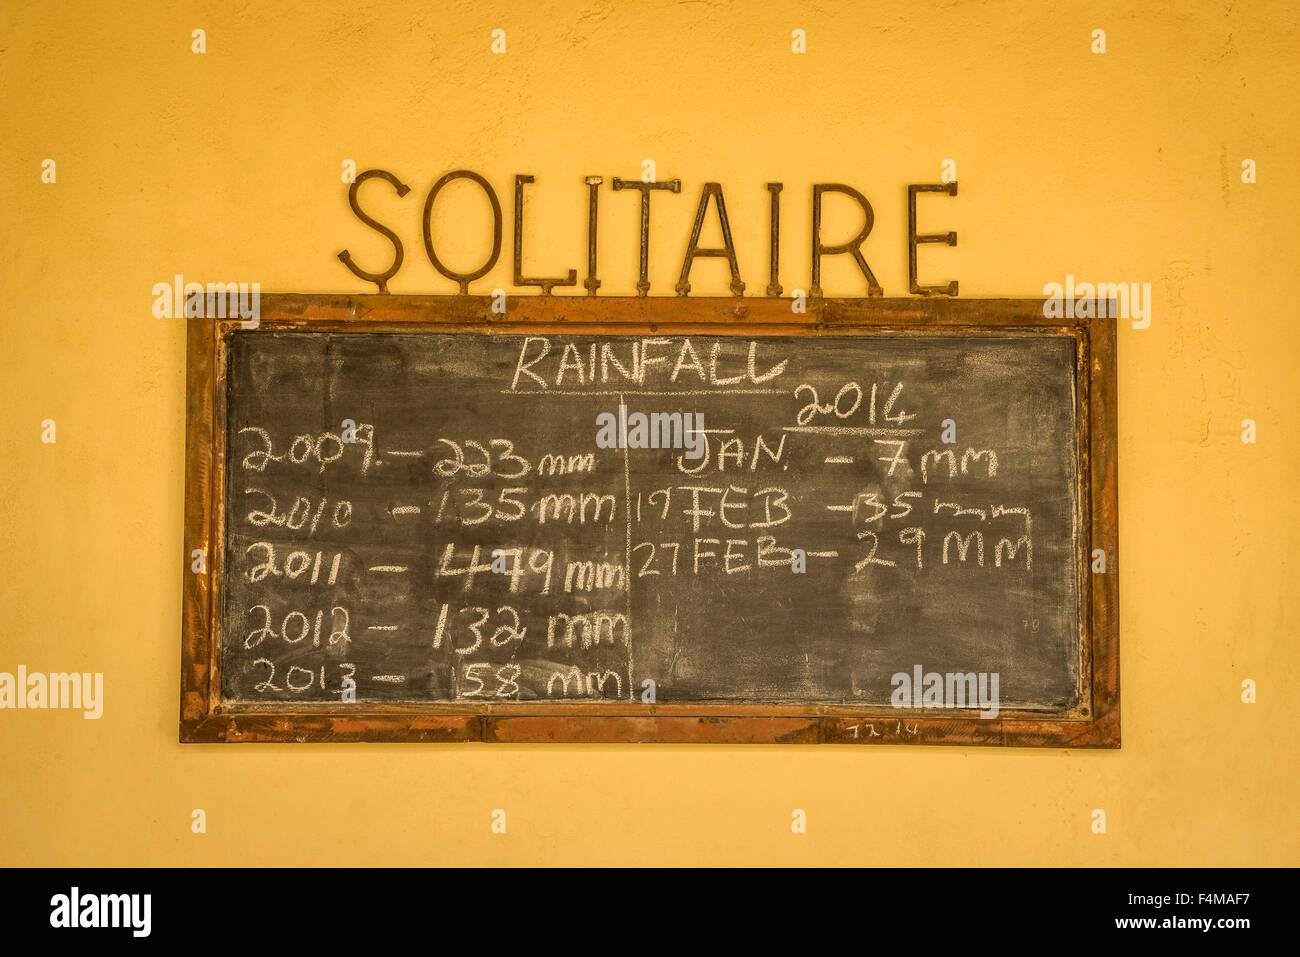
{"points": [[588, 729]]}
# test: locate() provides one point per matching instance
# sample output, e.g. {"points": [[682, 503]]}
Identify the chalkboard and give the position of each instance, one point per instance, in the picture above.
{"points": [[566, 531]]}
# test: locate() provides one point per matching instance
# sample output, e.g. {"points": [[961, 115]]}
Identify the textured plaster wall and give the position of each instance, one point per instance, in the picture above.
{"points": [[226, 165]]}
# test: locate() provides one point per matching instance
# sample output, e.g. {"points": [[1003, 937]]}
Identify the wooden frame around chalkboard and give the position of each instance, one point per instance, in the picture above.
{"points": [[204, 718]]}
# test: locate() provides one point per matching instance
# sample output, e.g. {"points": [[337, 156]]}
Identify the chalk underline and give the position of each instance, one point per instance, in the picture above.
{"points": [[643, 392]]}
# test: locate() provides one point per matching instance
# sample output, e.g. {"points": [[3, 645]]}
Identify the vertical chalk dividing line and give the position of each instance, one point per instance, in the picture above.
{"points": [[627, 559]]}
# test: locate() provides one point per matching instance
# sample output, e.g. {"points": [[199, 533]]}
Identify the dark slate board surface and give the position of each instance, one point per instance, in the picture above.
{"points": [[370, 573]]}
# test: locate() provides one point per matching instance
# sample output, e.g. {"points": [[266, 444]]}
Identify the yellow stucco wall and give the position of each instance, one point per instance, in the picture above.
{"points": [[226, 165]]}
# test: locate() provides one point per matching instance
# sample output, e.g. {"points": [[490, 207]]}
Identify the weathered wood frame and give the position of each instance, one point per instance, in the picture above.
{"points": [[1095, 724]]}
